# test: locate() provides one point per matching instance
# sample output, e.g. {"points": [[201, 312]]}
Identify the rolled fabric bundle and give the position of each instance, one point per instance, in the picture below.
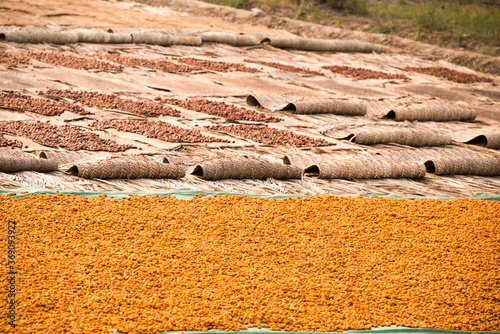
{"points": [[118, 35], [99, 36], [166, 171], [44, 166], [350, 169], [158, 38], [326, 45], [488, 140], [247, 168], [129, 30], [91, 35], [409, 137], [238, 169], [327, 107], [147, 30], [39, 36], [284, 172], [436, 113], [126, 169], [185, 40], [11, 153], [425, 154], [131, 169], [473, 165], [151, 38], [309, 106], [245, 40], [12, 164], [119, 38], [228, 38], [207, 171]]}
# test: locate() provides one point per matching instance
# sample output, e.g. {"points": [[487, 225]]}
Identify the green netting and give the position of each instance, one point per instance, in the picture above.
{"points": [[381, 330], [187, 194], [483, 196]]}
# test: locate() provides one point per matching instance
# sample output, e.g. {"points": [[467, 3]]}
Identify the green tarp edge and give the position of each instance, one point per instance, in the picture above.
{"points": [[187, 194], [381, 330]]}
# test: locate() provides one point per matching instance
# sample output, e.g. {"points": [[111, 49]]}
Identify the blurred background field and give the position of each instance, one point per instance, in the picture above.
{"points": [[456, 24]]}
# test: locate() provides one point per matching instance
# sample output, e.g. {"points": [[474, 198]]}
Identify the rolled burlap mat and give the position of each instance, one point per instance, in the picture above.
{"points": [[79, 35], [121, 168], [11, 153], [190, 32], [409, 137], [166, 171], [365, 169], [474, 165], [99, 36], [308, 106], [12, 164], [158, 38], [284, 172], [262, 169], [325, 45], [119, 38], [39, 36], [327, 107], [488, 140], [246, 168], [230, 168], [436, 113], [205, 171], [228, 38], [91, 35]]}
